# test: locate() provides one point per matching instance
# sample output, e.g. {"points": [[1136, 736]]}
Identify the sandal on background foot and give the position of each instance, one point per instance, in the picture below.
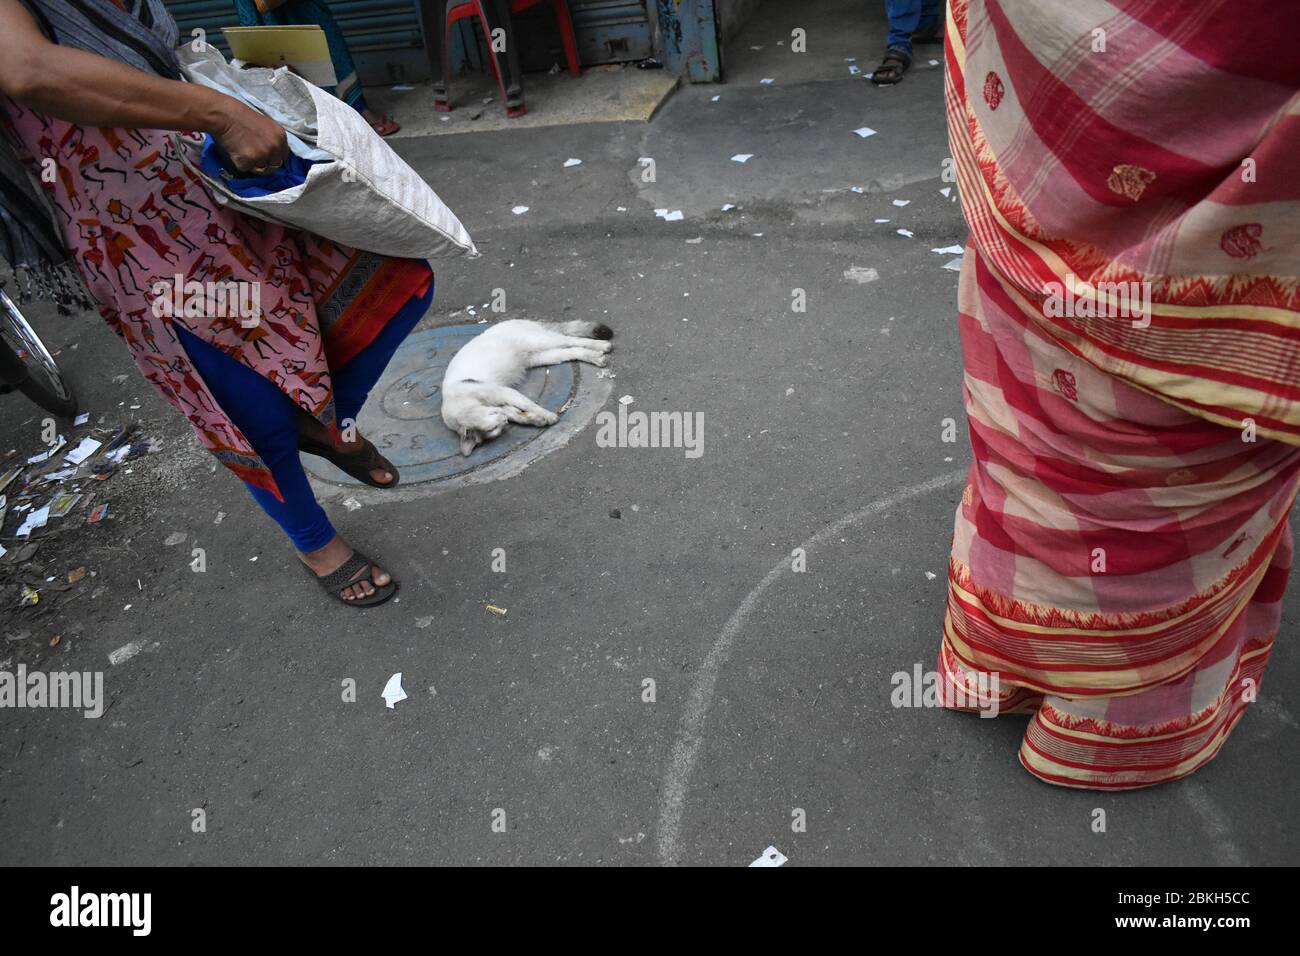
{"points": [[359, 464], [357, 569], [891, 68], [385, 126]]}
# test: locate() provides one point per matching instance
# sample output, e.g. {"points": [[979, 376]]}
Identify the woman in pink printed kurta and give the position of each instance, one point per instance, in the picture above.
{"points": [[134, 218]]}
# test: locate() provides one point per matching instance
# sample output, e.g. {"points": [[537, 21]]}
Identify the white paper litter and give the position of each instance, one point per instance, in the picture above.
{"points": [[934, 62], [83, 451], [626, 400], [861, 274], [34, 520], [856, 189], [572, 162], [945, 191], [904, 232], [393, 692], [882, 220], [175, 538], [853, 70], [930, 575], [771, 857], [950, 250], [81, 419], [767, 81], [667, 216], [716, 98], [865, 131], [45, 455], [901, 202], [728, 206], [351, 504], [953, 265], [221, 516], [519, 210], [126, 651], [742, 157]]}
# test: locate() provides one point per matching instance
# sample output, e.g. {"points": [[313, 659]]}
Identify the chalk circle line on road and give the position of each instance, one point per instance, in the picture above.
{"points": [[690, 732]]}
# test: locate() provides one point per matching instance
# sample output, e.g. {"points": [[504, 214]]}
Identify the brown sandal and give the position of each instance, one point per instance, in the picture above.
{"points": [[891, 68], [350, 573], [357, 463]]}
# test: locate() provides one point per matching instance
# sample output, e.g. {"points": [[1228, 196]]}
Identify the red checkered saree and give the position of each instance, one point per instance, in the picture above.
{"points": [[1122, 546]]}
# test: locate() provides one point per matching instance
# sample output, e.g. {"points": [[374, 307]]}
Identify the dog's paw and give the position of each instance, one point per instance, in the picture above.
{"points": [[601, 346], [550, 418], [600, 361]]}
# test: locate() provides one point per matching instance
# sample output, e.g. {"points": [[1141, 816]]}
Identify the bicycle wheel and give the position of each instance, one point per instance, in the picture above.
{"points": [[40, 378]]}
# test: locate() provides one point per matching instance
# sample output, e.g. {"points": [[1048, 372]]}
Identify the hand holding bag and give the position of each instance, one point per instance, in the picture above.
{"points": [[357, 191]]}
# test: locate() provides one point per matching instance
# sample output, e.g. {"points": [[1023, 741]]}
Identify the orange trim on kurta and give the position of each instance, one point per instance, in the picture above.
{"points": [[394, 284]]}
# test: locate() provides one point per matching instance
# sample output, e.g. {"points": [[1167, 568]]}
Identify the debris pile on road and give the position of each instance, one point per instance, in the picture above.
{"points": [[44, 494]]}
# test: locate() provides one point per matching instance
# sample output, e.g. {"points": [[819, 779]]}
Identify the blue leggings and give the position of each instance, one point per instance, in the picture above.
{"points": [[268, 418]]}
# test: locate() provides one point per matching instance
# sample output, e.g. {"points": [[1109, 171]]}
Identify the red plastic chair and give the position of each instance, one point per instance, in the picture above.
{"points": [[439, 15]]}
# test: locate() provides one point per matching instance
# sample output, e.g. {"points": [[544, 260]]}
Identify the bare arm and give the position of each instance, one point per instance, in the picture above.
{"points": [[92, 90]]}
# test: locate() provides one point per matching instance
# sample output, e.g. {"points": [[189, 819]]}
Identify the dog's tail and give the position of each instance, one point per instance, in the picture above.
{"points": [[586, 330]]}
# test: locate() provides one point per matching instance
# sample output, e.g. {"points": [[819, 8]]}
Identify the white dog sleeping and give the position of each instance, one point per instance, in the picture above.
{"points": [[478, 389]]}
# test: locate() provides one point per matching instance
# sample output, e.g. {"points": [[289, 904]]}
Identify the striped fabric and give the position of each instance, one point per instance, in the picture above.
{"points": [[140, 33], [1167, 159], [1122, 545]]}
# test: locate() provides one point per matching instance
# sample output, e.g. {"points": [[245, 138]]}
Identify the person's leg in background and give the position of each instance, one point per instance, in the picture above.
{"points": [[930, 27], [269, 420], [904, 18]]}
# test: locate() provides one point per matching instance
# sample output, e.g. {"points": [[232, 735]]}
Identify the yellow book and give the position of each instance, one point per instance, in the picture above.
{"points": [[302, 48]]}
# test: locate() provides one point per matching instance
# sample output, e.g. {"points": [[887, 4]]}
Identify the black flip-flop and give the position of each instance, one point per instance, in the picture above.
{"points": [[350, 573], [893, 66], [357, 463]]}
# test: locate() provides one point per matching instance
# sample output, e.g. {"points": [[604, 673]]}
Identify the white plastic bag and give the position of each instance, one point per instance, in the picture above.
{"points": [[364, 195]]}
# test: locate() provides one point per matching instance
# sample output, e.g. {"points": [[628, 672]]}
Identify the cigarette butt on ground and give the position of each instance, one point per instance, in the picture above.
{"points": [[499, 611]]}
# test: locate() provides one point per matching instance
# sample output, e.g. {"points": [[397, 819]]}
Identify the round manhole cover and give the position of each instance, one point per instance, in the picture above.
{"points": [[403, 415]]}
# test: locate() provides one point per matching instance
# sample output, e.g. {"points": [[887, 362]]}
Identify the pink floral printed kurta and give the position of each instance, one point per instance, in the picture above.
{"points": [[133, 215]]}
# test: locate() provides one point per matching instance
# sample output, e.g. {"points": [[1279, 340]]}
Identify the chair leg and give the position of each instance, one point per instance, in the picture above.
{"points": [[496, 15], [564, 20], [433, 16]]}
